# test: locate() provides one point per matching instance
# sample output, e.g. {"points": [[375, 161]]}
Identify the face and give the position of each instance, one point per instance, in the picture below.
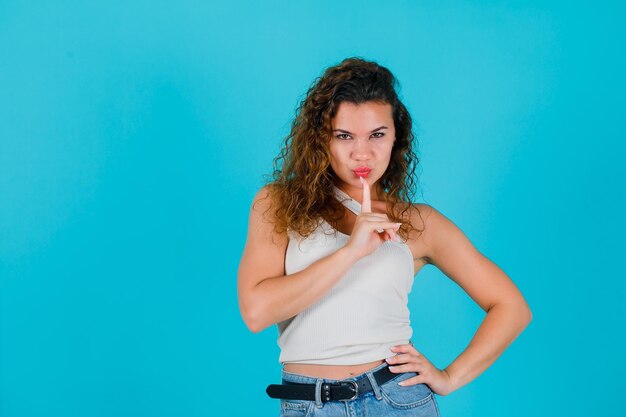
{"points": [[363, 136]]}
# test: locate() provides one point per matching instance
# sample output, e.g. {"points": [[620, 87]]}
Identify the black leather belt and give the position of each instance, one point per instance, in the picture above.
{"points": [[338, 391]]}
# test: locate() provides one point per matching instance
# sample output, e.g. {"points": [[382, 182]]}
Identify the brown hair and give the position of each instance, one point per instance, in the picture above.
{"points": [[302, 187]]}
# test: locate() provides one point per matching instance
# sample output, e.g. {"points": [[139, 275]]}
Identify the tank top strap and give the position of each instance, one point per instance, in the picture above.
{"points": [[352, 205]]}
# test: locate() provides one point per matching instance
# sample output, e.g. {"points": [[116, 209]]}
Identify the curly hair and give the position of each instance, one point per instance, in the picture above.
{"points": [[301, 188]]}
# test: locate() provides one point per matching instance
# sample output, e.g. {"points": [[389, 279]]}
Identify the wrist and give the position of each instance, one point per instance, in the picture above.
{"points": [[348, 253], [452, 381]]}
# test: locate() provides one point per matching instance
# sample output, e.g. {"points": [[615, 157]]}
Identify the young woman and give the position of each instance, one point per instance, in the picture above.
{"points": [[333, 245]]}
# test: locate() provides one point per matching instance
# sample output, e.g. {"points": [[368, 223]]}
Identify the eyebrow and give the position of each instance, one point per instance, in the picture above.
{"points": [[345, 131]]}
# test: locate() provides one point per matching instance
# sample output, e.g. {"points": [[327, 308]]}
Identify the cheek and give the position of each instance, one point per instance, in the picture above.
{"points": [[384, 151], [334, 161], [333, 157], [336, 154], [335, 165]]}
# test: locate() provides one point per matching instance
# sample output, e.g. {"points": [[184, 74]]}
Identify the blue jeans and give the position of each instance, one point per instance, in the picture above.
{"points": [[388, 399]]}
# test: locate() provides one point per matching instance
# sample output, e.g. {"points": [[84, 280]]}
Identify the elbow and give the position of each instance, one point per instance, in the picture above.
{"points": [[523, 316], [520, 310], [253, 325], [249, 310], [525, 313], [528, 314], [252, 319]]}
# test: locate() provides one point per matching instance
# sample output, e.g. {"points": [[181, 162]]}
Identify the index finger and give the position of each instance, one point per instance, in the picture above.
{"points": [[366, 205]]}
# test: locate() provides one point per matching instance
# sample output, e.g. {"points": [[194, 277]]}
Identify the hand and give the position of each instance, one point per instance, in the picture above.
{"points": [[366, 206], [370, 229], [409, 359]]}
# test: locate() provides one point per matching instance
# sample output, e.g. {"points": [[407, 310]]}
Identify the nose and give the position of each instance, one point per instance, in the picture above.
{"points": [[361, 150]]}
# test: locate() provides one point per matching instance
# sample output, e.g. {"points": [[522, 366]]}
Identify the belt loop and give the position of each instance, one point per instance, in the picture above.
{"points": [[318, 392], [375, 387]]}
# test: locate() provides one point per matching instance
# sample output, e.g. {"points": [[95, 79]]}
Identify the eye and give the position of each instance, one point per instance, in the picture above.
{"points": [[379, 133], [340, 136]]}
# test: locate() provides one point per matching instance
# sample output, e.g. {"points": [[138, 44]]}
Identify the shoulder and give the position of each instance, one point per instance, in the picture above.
{"points": [[263, 221], [419, 213], [425, 221], [440, 235], [416, 213], [264, 198], [264, 192], [425, 216]]}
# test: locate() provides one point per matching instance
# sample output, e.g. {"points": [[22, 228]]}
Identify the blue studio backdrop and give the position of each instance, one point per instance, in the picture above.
{"points": [[134, 135]]}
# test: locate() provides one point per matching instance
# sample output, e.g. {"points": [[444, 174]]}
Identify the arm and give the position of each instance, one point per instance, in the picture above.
{"points": [[507, 311], [266, 294], [444, 245]]}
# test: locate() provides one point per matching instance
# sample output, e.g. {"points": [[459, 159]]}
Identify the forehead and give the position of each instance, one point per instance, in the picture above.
{"points": [[362, 116]]}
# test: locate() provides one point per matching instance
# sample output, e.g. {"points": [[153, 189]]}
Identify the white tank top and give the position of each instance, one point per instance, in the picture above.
{"points": [[363, 315]]}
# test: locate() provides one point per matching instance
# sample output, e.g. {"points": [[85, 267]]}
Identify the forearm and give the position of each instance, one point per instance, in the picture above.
{"points": [[279, 298], [502, 324]]}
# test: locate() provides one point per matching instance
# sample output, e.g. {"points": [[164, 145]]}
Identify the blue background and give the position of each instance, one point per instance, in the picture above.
{"points": [[134, 135]]}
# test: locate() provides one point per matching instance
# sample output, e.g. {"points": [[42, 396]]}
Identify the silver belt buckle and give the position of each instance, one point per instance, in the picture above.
{"points": [[356, 389]]}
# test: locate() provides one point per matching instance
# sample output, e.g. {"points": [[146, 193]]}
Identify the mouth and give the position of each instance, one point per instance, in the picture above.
{"points": [[362, 172]]}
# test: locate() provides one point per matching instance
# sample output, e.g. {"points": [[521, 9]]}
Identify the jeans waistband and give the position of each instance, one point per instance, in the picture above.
{"points": [[303, 379]]}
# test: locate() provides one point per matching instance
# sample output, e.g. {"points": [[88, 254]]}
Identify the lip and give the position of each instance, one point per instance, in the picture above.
{"points": [[362, 172]]}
